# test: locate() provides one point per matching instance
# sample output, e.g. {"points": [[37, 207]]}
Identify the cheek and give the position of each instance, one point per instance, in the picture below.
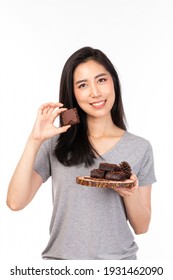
{"points": [[80, 97], [113, 97], [111, 93]]}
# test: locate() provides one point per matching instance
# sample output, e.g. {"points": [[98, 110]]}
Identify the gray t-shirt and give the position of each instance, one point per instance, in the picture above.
{"points": [[87, 222]]}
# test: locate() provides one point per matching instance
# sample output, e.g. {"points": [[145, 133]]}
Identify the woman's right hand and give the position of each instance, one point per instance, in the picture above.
{"points": [[44, 127]]}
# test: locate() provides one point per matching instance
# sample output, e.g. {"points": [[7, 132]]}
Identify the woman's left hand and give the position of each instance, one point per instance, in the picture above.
{"points": [[127, 191]]}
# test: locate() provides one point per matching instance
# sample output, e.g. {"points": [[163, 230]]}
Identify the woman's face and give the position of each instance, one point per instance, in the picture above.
{"points": [[93, 88]]}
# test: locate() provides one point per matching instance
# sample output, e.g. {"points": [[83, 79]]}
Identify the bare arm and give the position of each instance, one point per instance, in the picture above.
{"points": [[25, 181], [139, 209], [137, 202]]}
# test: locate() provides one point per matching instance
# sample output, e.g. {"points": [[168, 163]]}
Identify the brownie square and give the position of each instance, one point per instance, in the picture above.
{"points": [[97, 173], [107, 166], [70, 117], [117, 176]]}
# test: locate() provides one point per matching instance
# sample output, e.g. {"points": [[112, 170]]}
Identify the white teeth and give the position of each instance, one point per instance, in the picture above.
{"points": [[98, 103]]}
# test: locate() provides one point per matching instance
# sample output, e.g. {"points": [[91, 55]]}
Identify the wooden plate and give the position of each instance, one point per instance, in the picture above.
{"points": [[103, 183]]}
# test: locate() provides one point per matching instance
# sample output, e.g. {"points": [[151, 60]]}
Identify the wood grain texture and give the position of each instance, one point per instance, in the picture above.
{"points": [[103, 183]]}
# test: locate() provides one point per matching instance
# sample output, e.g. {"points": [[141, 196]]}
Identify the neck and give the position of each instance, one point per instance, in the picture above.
{"points": [[100, 127]]}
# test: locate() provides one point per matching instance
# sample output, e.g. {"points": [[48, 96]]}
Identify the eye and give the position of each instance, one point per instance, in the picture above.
{"points": [[83, 85], [102, 80]]}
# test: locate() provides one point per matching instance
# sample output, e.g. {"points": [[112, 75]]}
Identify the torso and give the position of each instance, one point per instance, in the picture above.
{"points": [[98, 212]]}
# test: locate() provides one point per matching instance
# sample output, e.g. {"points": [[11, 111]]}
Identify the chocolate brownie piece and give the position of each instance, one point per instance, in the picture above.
{"points": [[115, 176], [70, 117], [117, 168], [107, 166], [97, 173]]}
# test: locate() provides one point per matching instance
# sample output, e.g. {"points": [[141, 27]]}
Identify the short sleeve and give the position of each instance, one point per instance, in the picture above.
{"points": [[146, 175], [42, 161]]}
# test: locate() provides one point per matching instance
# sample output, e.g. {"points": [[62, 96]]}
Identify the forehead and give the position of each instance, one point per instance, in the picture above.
{"points": [[88, 69]]}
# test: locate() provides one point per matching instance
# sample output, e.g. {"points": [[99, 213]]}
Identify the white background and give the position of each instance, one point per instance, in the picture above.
{"points": [[36, 38]]}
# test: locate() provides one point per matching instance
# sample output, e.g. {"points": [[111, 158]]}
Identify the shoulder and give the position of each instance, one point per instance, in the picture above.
{"points": [[137, 145], [137, 140]]}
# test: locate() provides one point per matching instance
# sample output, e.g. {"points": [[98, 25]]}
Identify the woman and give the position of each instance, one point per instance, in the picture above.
{"points": [[87, 222]]}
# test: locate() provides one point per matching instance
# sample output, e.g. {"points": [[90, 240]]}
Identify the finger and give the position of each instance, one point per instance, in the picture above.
{"points": [[52, 104], [56, 113], [134, 178], [123, 191], [63, 129], [45, 110], [52, 108], [46, 106], [134, 188], [123, 194]]}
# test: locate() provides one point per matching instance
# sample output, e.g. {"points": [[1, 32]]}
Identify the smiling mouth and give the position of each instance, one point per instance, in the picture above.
{"points": [[98, 104]]}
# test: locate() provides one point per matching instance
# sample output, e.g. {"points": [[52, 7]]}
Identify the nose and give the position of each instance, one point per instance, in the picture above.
{"points": [[94, 91]]}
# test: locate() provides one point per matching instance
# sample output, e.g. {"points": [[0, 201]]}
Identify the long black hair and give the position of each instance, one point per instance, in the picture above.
{"points": [[73, 147]]}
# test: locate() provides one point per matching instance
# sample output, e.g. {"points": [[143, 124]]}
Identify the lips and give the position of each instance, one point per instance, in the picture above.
{"points": [[98, 104]]}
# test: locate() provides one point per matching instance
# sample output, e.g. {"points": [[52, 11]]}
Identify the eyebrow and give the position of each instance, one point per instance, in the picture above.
{"points": [[97, 76]]}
